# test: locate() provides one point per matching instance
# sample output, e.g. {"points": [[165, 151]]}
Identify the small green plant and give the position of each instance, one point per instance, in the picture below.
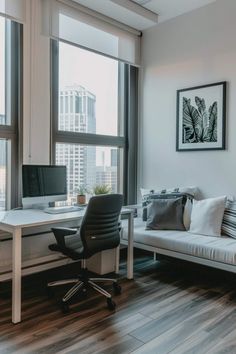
{"points": [[82, 190], [101, 189]]}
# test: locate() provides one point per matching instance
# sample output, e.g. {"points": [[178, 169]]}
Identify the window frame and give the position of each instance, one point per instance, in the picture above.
{"points": [[67, 137], [13, 98]]}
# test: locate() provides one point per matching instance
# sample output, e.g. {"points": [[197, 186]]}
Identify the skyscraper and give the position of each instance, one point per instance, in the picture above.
{"points": [[2, 119], [114, 157], [77, 114], [106, 173]]}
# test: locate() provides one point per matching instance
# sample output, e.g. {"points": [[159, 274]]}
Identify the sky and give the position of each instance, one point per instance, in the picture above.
{"points": [[97, 74]]}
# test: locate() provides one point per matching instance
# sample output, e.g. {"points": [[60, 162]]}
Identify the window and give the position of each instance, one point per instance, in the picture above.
{"points": [[89, 124], [10, 71], [97, 165], [90, 80]]}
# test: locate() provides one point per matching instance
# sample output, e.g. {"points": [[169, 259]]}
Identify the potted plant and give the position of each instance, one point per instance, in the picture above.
{"points": [[101, 189], [81, 194]]}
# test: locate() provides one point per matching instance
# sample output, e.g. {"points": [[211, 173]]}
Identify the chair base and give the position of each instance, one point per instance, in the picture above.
{"points": [[81, 285]]}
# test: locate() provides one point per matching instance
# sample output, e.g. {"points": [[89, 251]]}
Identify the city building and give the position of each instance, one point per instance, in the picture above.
{"points": [[2, 187], [77, 114], [113, 157], [2, 119], [106, 174]]}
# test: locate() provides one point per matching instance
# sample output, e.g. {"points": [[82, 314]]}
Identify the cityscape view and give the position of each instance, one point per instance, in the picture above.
{"points": [[88, 103], [87, 165], [88, 107]]}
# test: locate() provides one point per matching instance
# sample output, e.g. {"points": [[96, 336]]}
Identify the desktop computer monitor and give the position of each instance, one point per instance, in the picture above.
{"points": [[43, 184]]}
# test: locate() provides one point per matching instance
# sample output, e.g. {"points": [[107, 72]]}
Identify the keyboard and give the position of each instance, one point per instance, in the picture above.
{"points": [[63, 209]]}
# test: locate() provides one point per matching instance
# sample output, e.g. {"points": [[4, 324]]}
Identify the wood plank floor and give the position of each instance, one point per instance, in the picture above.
{"points": [[170, 307]]}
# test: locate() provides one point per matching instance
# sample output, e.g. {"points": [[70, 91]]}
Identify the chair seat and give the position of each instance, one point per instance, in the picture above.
{"points": [[73, 247]]}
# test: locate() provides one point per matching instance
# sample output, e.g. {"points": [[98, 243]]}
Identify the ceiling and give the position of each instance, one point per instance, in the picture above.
{"points": [[132, 12]]}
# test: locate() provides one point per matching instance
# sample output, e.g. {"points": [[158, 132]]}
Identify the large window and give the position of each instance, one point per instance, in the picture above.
{"points": [[10, 71], [89, 135], [88, 92]]}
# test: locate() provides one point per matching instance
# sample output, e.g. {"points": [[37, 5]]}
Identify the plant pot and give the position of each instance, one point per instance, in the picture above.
{"points": [[81, 199]]}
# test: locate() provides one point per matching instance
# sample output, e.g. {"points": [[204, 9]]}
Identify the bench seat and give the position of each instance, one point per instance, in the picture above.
{"points": [[218, 249]]}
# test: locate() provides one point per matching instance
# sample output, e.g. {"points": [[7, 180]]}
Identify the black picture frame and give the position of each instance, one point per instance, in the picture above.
{"points": [[201, 117]]}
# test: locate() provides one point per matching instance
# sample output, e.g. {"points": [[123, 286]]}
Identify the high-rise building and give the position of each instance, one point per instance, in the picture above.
{"points": [[77, 114], [113, 157], [2, 119], [107, 175], [2, 187]]}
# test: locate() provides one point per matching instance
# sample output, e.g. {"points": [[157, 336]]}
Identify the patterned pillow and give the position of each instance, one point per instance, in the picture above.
{"points": [[228, 227], [190, 192], [194, 191], [164, 194]]}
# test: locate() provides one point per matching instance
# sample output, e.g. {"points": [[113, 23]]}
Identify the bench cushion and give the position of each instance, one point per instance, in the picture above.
{"points": [[218, 249]]}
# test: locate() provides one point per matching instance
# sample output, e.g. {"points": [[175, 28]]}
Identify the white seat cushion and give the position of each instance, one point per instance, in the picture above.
{"points": [[219, 249]]}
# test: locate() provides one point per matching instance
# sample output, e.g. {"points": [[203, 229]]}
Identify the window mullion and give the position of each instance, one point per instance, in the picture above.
{"points": [[89, 139], [8, 135], [10, 114]]}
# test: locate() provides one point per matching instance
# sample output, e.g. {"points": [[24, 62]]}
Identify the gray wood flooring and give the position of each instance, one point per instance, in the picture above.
{"points": [[170, 307]]}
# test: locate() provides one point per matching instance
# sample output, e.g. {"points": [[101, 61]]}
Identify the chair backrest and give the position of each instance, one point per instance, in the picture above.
{"points": [[99, 229]]}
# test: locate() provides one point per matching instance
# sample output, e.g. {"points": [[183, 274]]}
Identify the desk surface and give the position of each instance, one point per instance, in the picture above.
{"points": [[35, 217]]}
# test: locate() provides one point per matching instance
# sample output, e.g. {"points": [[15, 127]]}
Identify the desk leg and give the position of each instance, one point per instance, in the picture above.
{"points": [[16, 276], [117, 267], [130, 251]]}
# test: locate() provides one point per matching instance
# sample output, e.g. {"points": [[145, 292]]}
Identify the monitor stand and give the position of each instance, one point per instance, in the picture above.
{"points": [[41, 206]]}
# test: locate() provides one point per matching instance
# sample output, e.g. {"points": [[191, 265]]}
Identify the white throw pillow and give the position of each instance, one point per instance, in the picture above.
{"points": [[207, 215]]}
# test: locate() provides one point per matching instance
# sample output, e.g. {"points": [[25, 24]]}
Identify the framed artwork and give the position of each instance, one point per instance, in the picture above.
{"points": [[201, 116]]}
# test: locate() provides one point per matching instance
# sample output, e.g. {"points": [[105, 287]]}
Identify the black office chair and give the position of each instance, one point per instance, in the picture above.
{"points": [[99, 230]]}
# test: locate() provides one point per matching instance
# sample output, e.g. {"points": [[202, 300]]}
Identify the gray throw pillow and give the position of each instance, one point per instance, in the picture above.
{"points": [[166, 214], [152, 196]]}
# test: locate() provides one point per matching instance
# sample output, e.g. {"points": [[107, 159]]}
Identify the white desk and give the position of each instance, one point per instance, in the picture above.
{"points": [[14, 221]]}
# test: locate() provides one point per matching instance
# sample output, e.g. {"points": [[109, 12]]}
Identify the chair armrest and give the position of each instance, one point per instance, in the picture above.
{"points": [[61, 232], [134, 207]]}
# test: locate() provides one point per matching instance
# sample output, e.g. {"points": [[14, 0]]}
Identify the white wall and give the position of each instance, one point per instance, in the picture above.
{"points": [[193, 49]]}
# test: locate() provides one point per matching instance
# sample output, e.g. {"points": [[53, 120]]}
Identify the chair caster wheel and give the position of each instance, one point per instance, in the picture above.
{"points": [[116, 288], [65, 307], [84, 293], [111, 304]]}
